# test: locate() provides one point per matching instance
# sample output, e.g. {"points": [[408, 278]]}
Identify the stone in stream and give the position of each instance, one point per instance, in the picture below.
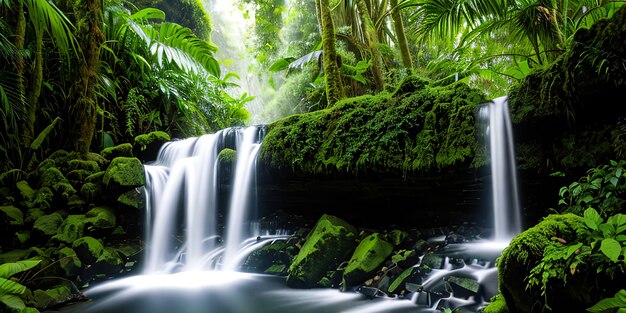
{"points": [[368, 257]]}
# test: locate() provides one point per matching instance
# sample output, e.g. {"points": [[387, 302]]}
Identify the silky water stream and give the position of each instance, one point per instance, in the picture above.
{"points": [[191, 263]]}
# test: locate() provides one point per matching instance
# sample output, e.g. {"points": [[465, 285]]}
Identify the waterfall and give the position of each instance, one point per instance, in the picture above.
{"points": [[506, 204], [182, 201]]}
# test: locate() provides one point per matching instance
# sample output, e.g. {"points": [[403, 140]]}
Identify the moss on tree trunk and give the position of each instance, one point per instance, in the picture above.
{"points": [[334, 85], [371, 38], [83, 111]]}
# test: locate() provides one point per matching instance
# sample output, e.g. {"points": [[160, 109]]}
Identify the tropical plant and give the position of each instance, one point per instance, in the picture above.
{"points": [[12, 291], [616, 303], [603, 188]]}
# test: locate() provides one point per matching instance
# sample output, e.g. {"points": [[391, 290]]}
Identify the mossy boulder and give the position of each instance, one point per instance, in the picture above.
{"points": [[428, 130], [146, 146], [109, 262], [88, 249], [270, 258], [102, 217], [90, 191], [71, 229], [330, 242], [95, 178], [46, 226], [122, 150], [124, 174], [524, 252], [405, 258], [227, 156], [369, 256], [86, 165], [134, 198]]}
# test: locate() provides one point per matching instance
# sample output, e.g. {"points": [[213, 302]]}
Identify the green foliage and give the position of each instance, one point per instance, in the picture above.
{"points": [[602, 188], [413, 130], [12, 292], [616, 303]]}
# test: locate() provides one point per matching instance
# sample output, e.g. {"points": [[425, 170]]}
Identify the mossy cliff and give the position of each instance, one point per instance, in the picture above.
{"points": [[415, 129], [573, 100]]}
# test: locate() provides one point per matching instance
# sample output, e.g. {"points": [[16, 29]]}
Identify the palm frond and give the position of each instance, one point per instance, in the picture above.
{"points": [[46, 17]]}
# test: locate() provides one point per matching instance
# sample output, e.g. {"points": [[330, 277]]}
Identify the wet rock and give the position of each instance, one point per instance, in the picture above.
{"points": [[398, 237], [432, 261], [455, 238], [109, 262], [88, 249], [274, 256], [122, 150], [331, 241], [368, 257], [405, 258], [371, 292], [421, 246], [463, 287], [69, 261]]}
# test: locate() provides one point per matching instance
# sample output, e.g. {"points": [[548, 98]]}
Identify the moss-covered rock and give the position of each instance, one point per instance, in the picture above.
{"points": [[270, 258], [88, 249], [95, 178], [102, 217], [525, 251], [109, 262], [86, 165], [227, 155], [369, 256], [430, 129], [146, 146], [91, 191], [46, 226], [122, 150], [124, 174], [134, 198], [331, 242], [71, 229], [497, 305], [405, 258]]}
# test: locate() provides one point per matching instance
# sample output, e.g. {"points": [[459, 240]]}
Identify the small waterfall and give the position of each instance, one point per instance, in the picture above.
{"points": [[506, 204], [183, 199]]}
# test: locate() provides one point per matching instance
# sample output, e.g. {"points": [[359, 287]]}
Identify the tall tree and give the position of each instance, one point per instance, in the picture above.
{"points": [[401, 35], [89, 16], [334, 85], [371, 37]]}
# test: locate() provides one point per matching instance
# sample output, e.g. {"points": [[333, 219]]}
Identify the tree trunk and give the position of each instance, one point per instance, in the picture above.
{"points": [[90, 37], [401, 35], [28, 126], [35, 87], [334, 85], [371, 38]]}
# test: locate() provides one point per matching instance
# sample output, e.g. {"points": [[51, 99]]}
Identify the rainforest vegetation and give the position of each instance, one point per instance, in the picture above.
{"points": [[90, 89]]}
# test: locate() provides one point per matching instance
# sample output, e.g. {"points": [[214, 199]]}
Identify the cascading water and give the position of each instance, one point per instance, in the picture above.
{"points": [[185, 179], [499, 131]]}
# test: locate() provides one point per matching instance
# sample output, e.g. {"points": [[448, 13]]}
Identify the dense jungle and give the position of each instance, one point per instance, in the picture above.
{"points": [[371, 156]]}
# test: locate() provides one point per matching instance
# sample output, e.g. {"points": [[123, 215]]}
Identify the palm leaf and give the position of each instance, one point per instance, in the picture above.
{"points": [[36, 144], [46, 17]]}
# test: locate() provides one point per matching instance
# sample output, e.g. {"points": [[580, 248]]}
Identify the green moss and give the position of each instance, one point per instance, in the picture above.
{"points": [[368, 257], [405, 258], [88, 249], [397, 237], [91, 191], [25, 190], [89, 166], [135, 198], [51, 177], [497, 305], [146, 139], [109, 262], [429, 129], [68, 260], [227, 155], [525, 251], [47, 225], [398, 284], [122, 150], [71, 229], [330, 242], [95, 178], [124, 173], [101, 217]]}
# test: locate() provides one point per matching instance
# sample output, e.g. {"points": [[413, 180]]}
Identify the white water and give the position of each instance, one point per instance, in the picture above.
{"points": [[184, 181], [506, 207]]}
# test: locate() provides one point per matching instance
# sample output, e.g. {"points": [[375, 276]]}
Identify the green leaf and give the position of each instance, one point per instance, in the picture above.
{"points": [[611, 248], [592, 218], [618, 301], [8, 286], [44, 134], [16, 216], [614, 181], [148, 13], [9, 269], [12, 301], [281, 64]]}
